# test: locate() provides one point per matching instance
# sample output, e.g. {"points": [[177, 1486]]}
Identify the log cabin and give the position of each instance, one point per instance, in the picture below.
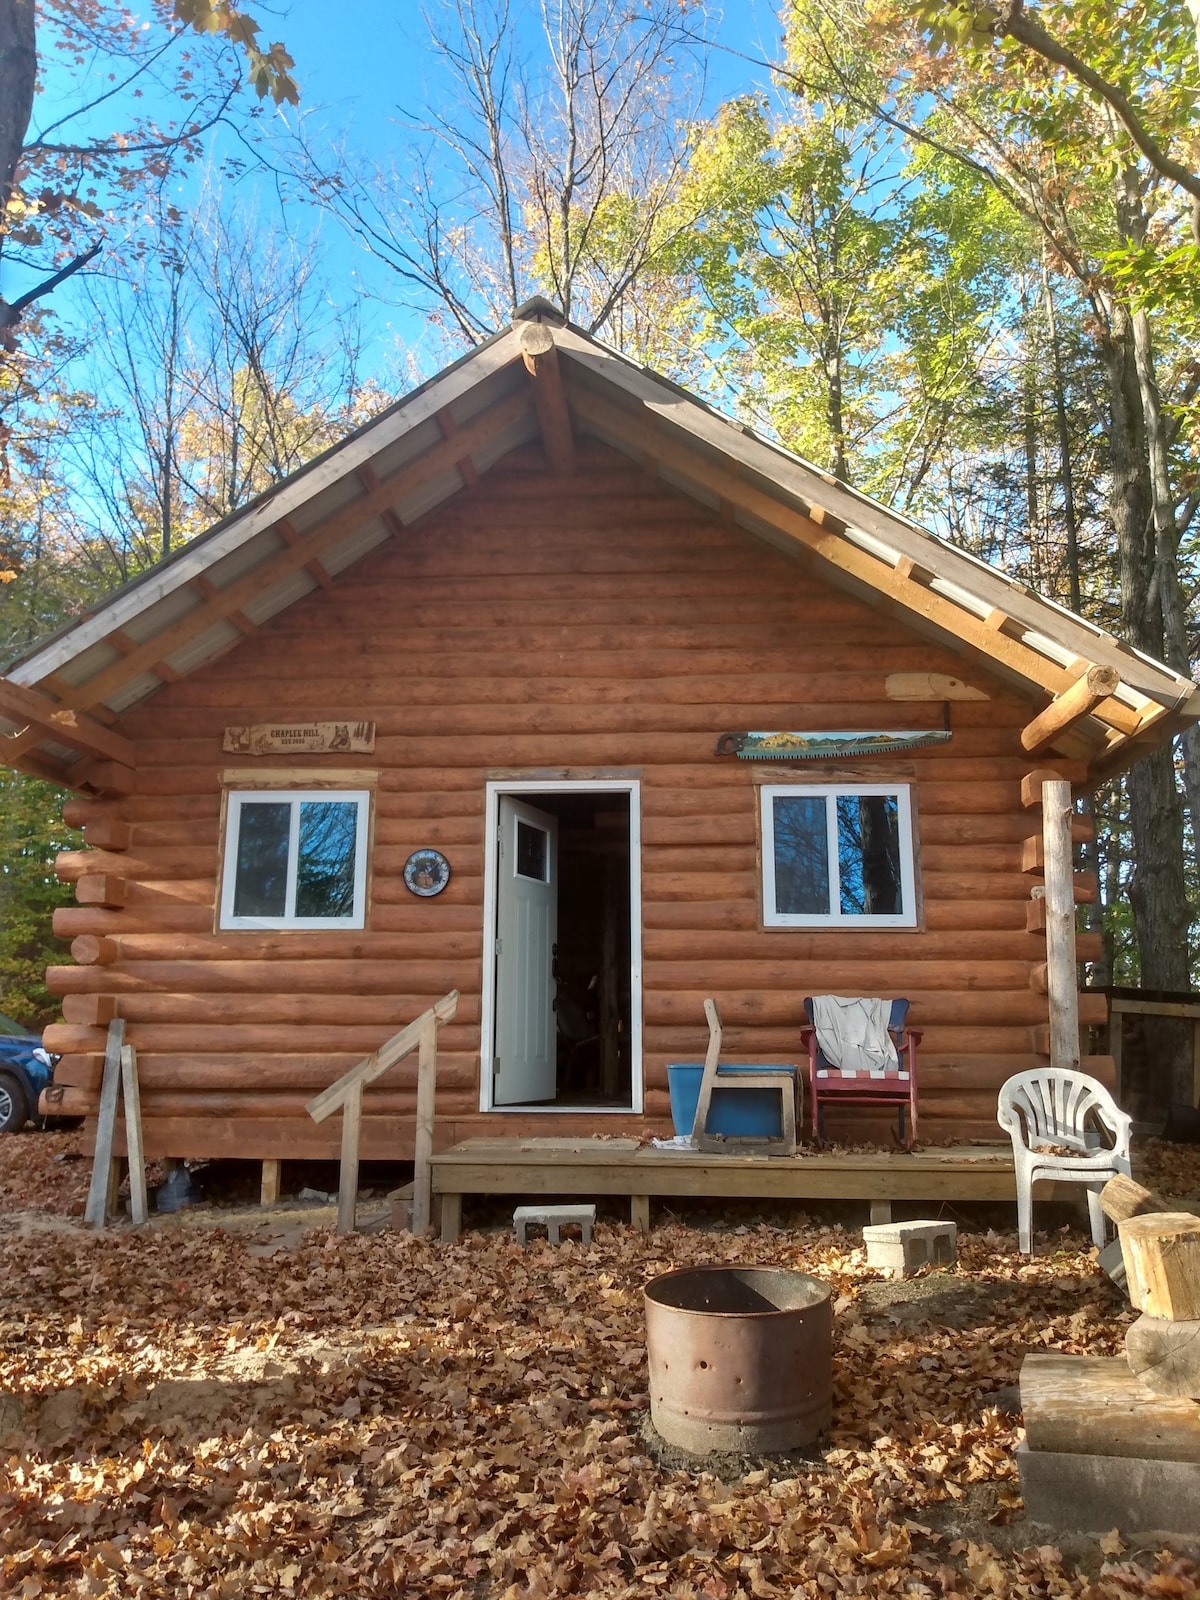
{"points": [[556, 687]]}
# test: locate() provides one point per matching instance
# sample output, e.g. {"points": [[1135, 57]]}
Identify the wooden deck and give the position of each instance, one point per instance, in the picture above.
{"points": [[592, 1167]]}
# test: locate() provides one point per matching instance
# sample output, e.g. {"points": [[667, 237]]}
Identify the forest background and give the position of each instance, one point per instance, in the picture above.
{"points": [[948, 252]]}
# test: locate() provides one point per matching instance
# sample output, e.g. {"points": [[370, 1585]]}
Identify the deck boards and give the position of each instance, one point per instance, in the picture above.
{"points": [[591, 1167]]}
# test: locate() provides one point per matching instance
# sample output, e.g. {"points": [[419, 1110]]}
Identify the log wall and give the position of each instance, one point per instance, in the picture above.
{"points": [[590, 626]]}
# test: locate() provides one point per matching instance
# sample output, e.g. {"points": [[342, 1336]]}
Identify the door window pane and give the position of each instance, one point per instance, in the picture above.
{"points": [[325, 869], [262, 859], [801, 854], [532, 852], [868, 832]]}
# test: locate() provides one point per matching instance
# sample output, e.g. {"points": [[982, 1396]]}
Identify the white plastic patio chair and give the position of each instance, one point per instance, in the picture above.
{"points": [[1046, 1108]]}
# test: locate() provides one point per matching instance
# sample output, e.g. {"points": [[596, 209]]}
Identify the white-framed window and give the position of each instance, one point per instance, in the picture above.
{"points": [[838, 855], [295, 858]]}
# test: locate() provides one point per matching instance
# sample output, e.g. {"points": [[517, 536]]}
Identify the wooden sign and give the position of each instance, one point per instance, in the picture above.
{"points": [[300, 738]]}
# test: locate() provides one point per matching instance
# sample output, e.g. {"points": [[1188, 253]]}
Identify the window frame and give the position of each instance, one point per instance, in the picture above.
{"points": [[836, 917], [235, 800]]}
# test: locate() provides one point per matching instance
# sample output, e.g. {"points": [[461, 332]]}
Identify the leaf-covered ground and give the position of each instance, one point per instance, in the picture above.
{"points": [[196, 1410]]}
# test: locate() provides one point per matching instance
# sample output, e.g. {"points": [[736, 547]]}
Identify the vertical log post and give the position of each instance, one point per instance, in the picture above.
{"points": [[423, 1134], [348, 1184], [1062, 977], [269, 1190]]}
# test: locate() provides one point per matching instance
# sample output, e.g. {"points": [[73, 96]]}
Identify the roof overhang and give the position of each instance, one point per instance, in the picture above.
{"points": [[548, 382]]}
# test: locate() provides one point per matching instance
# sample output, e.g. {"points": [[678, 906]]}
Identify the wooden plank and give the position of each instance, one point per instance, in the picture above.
{"points": [[930, 686], [1094, 1405], [138, 1208], [423, 1131], [398, 1046], [351, 1106], [96, 1211]]}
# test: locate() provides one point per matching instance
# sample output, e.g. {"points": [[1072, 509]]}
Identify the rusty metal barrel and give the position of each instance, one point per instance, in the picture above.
{"points": [[741, 1358]]}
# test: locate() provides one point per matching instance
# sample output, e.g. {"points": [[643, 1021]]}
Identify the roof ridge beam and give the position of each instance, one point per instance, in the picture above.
{"points": [[540, 355]]}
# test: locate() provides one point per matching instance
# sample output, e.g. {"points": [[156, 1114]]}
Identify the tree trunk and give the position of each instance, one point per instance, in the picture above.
{"points": [[18, 76]]}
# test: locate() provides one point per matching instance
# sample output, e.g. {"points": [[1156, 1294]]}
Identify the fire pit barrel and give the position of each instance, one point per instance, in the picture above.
{"points": [[740, 1358]]}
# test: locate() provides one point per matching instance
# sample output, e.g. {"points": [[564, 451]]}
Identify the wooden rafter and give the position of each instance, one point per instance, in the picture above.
{"points": [[1069, 708], [67, 726], [724, 481], [291, 536], [540, 355], [437, 460], [449, 427]]}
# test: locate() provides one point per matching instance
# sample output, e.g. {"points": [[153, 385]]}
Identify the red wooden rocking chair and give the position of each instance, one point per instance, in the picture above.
{"points": [[829, 1083]]}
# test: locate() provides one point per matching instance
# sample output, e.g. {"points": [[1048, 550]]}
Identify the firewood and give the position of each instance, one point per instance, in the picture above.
{"points": [[1121, 1197], [1165, 1356], [1162, 1264]]}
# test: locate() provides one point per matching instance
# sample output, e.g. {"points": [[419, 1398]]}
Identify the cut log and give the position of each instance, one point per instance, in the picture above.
{"points": [[1093, 1405], [1162, 1264], [1165, 1356], [1121, 1198]]}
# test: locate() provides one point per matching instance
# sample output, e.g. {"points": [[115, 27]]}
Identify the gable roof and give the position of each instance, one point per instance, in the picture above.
{"points": [[546, 380]]}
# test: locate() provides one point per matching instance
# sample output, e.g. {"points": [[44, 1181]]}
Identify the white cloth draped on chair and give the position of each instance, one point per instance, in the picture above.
{"points": [[853, 1033]]}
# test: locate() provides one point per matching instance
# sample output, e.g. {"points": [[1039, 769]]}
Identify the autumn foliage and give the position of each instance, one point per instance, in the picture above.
{"points": [[197, 1410]]}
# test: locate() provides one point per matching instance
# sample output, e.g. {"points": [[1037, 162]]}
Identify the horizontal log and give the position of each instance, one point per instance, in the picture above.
{"points": [[823, 976], [72, 865], [1093, 1405], [91, 949], [89, 1010], [106, 777], [1165, 1356], [1073, 772], [102, 889], [1033, 848], [107, 832], [1122, 1197], [77, 811], [260, 1073]]}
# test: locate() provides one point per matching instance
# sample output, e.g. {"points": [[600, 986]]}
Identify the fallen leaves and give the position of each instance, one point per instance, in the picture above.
{"points": [[387, 1416]]}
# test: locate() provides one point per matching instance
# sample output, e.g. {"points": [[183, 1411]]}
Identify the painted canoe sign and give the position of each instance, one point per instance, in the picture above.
{"points": [[825, 746], [300, 738]]}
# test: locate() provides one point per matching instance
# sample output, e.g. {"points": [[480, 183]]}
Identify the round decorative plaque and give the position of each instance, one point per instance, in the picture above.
{"points": [[426, 873]]}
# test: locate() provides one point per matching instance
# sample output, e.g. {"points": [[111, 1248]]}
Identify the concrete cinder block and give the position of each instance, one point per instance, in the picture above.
{"points": [[902, 1248], [1090, 1494], [552, 1219]]}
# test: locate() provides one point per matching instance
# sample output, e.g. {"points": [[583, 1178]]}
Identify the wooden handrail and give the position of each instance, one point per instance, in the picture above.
{"points": [[346, 1095]]}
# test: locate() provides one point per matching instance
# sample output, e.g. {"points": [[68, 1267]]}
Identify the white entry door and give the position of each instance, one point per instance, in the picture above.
{"points": [[526, 1064]]}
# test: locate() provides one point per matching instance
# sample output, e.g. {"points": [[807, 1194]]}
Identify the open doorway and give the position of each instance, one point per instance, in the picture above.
{"points": [[562, 1001]]}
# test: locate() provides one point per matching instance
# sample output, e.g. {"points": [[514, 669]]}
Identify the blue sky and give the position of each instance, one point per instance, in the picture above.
{"points": [[356, 80]]}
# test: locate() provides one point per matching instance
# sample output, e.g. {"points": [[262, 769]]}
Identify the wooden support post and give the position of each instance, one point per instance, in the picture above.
{"points": [[138, 1206], [639, 1212], [881, 1213], [423, 1134], [451, 1218], [96, 1211], [351, 1135], [1061, 971], [1069, 708], [269, 1191]]}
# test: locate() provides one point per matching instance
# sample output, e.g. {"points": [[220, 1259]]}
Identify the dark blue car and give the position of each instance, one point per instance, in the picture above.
{"points": [[25, 1070]]}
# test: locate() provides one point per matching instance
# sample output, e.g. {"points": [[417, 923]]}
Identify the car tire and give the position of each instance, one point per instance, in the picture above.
{"points": [[14, 1103]]}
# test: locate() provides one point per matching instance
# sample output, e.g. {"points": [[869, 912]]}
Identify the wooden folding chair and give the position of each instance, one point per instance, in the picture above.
{"points": [[780, 1080]]}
